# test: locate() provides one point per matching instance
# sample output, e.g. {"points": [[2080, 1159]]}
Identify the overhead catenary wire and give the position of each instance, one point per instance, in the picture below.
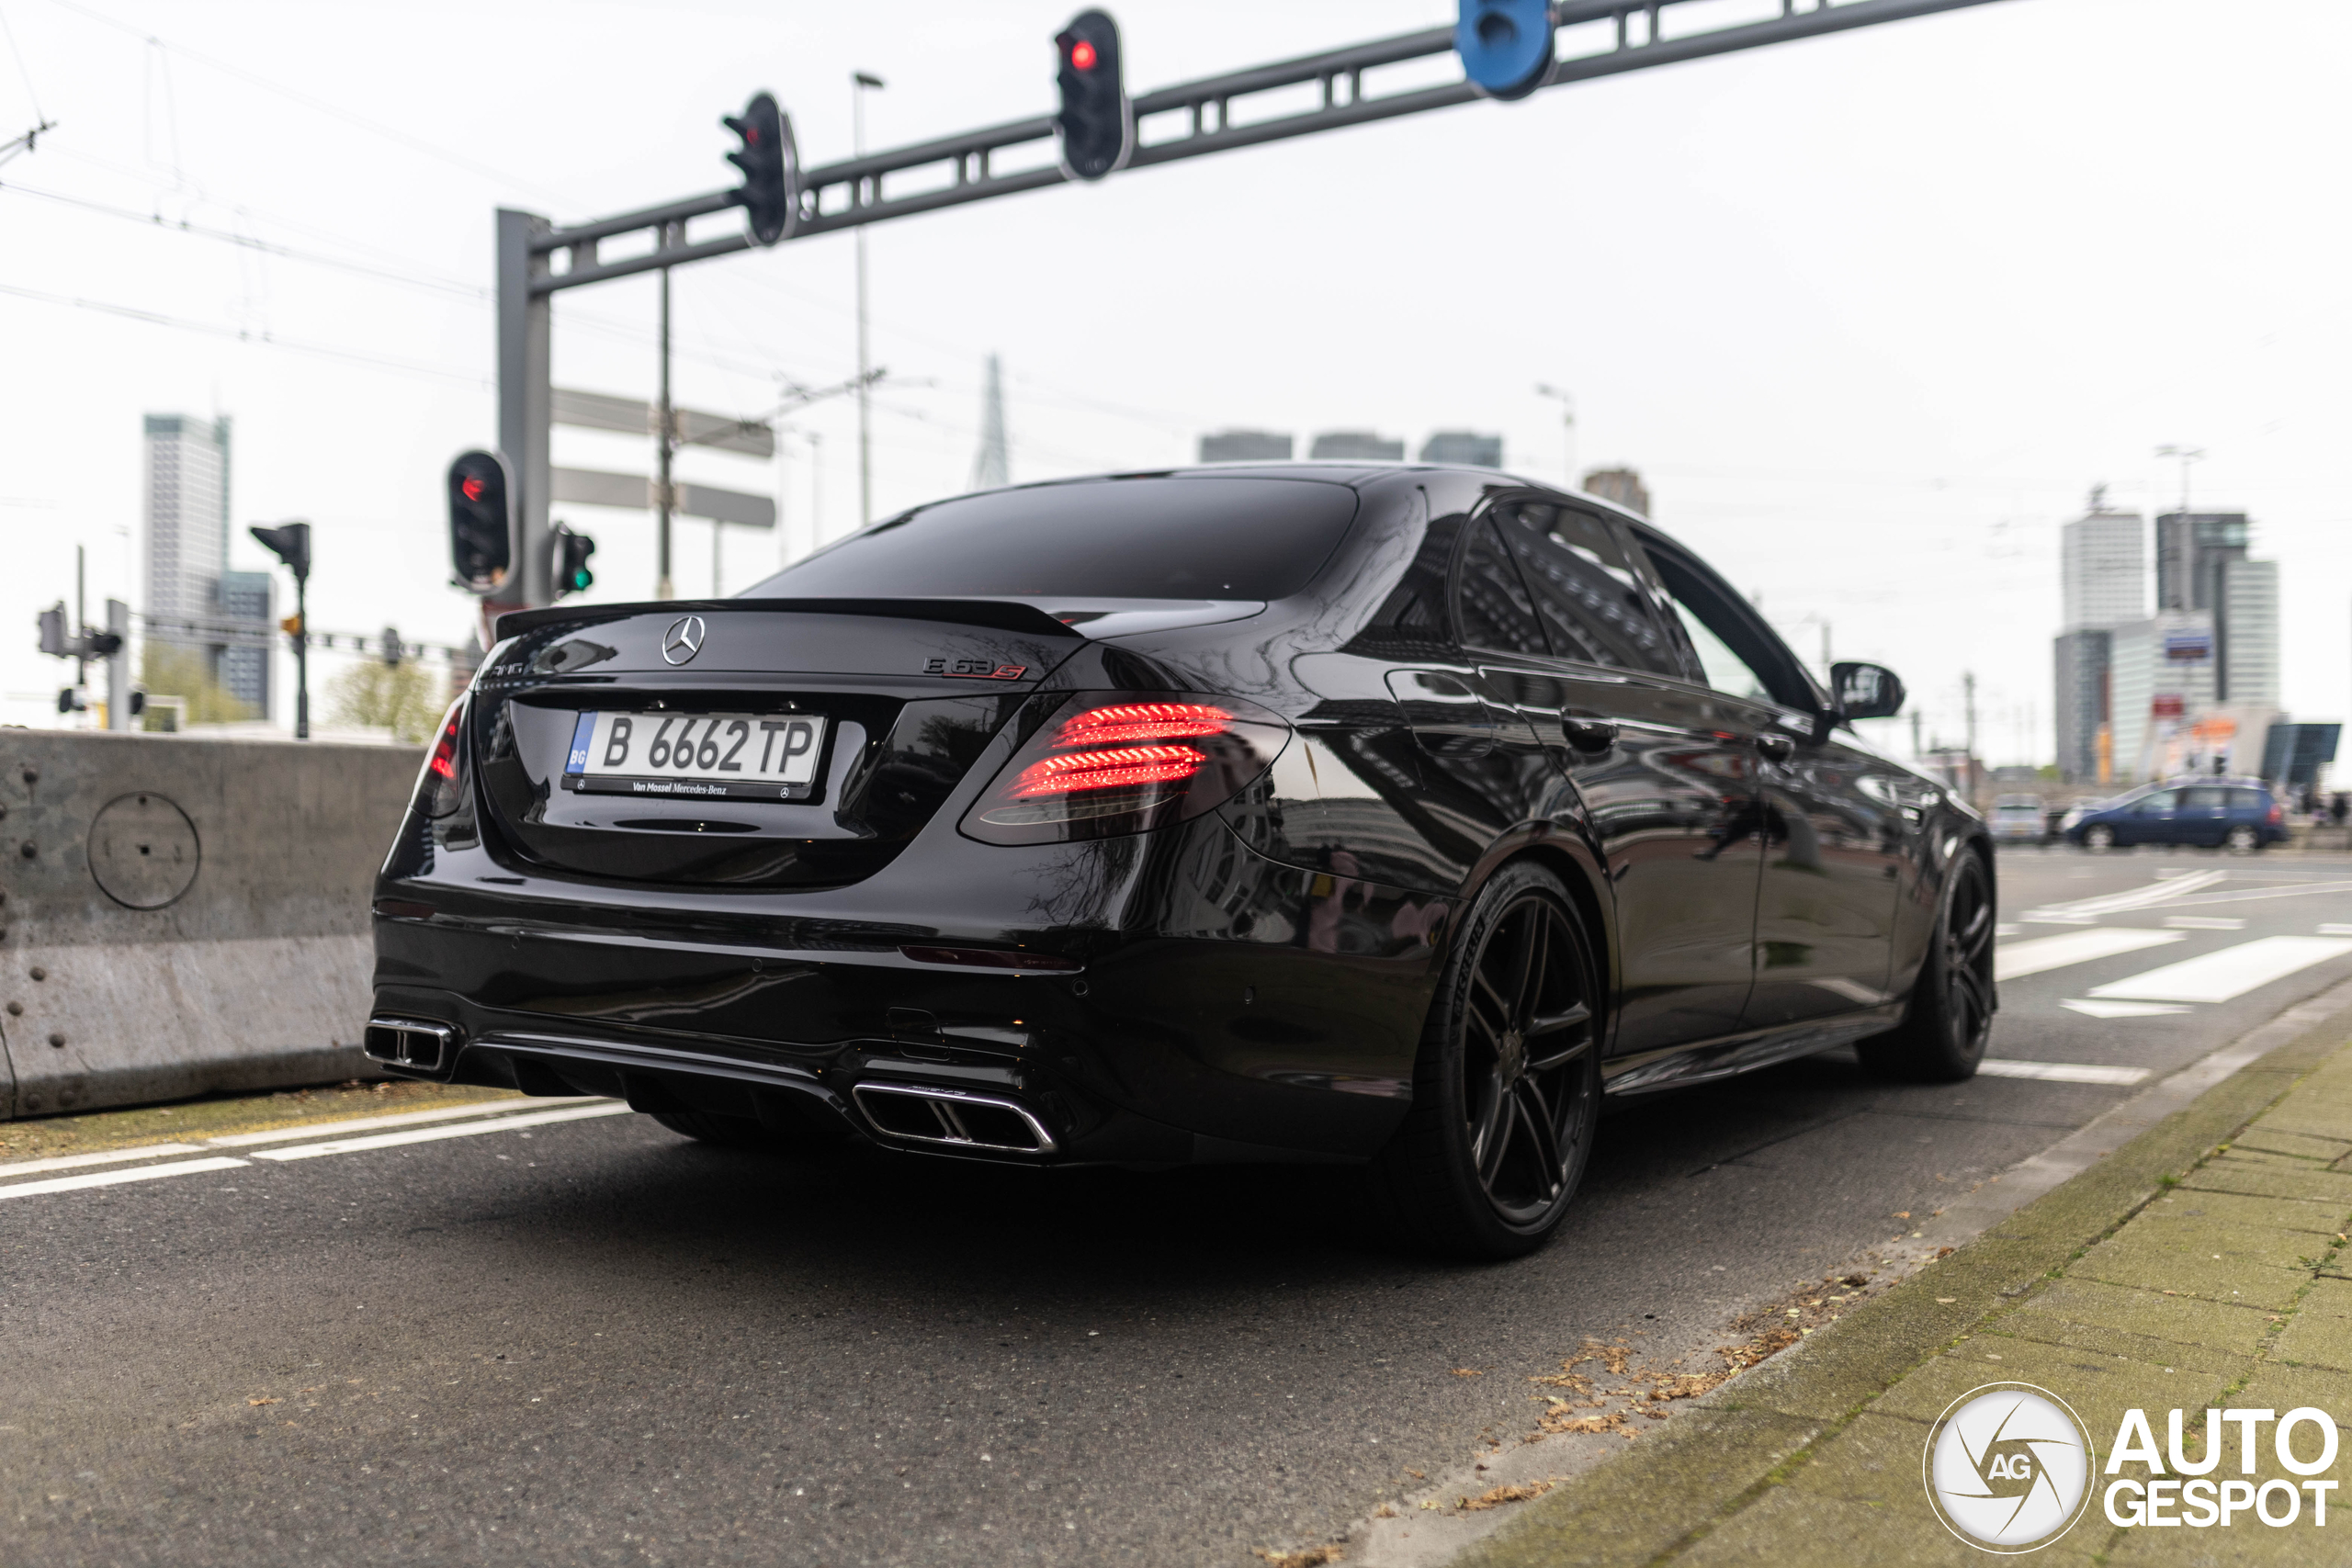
{"points": [[240, 334], [319, 105]]}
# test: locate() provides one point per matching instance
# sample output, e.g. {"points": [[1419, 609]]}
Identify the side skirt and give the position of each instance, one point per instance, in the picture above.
{"points": [[1673, 1067]]}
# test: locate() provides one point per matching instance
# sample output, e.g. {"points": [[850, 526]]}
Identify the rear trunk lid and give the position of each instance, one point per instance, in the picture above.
{"points": [[817, 736]]}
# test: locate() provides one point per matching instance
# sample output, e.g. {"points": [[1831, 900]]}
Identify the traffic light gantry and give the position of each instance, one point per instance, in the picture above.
{"points": [[1509, 49]]}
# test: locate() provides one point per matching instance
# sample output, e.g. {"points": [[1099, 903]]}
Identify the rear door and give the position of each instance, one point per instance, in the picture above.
{"points": [[1832, 811], [1670, 792]]}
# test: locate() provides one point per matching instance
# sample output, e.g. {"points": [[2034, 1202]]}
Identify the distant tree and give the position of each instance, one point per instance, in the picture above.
{"points": [[170, 670], [403, 698]]}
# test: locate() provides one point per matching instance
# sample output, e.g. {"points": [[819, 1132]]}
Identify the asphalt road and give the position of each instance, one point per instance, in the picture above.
{"points": [[590, 1341]]}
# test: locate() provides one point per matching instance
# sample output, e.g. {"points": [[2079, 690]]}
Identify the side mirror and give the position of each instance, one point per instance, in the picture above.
{"points": [[1867, 690]]}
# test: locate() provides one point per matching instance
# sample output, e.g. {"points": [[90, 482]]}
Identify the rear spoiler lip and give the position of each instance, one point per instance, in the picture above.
{"points": [[1002, 615]]}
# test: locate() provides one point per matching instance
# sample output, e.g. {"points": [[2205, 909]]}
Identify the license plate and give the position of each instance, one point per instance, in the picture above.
{"points": [[706, 756]]}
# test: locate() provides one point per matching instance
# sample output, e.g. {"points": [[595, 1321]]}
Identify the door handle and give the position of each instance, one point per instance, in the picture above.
{"points": [[1589, 734], [1776, 747]]}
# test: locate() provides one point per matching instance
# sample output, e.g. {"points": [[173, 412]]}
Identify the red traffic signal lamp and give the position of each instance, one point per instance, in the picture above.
{"points": [[1096, 122], [771, 165], [482, 521]]}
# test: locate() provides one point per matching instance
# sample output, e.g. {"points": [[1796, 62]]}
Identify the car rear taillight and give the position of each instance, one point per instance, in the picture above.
{"points": [[1110, 762], [2278, 814], [440, 784]]}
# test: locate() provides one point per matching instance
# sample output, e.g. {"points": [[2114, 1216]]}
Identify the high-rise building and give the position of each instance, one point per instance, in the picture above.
{"points": [[2085, 659], [1464, 446], [2102, 586], [187, 521], [248, 597], [1623, 486], [2103, 570], [194, 601], [2161, 676], [2247, 611], [1245, 447], [1359, 446]]}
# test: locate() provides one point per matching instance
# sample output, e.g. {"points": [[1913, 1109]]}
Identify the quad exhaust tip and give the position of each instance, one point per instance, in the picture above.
{"points": [[409, 1042], [953, 1119]]}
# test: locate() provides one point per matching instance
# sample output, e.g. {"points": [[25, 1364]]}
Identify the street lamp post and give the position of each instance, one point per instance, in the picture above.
{"points": [[859, 82]]}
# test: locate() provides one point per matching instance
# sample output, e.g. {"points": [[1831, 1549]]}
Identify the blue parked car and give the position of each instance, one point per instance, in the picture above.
{"points": [[2238, 815]]}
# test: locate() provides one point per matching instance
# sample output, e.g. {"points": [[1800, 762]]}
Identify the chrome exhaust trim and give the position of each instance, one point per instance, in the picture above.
{"points": [[409, 1042], [953, 1118]]}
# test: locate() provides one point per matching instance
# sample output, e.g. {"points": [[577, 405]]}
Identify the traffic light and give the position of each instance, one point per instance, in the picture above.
{"points": [[1097, 124], [1505, 45], [572, 553], [392, 650], [54, 640], [289, 542], [771, 166], [481, 513]]}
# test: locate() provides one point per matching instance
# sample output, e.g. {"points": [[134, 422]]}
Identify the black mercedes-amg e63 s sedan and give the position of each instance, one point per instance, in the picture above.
{"points": [[1386, 815]]}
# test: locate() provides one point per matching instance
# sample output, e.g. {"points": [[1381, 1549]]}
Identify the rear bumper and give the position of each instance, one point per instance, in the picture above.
{"points": [[1220, 1007]]}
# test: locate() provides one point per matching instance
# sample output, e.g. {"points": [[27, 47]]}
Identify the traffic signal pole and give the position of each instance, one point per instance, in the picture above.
{"points": [[962, 169]]}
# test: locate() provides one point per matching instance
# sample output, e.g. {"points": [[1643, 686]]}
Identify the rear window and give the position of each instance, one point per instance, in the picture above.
{"points": [[1147, 538]]}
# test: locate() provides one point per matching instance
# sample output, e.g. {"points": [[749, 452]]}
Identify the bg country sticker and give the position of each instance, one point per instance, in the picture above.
{"points": [[2010, 1468]]}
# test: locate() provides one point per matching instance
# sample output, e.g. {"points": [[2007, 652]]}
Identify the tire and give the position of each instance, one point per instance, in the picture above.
{"points": [[2098, 837], [1507, 1087], [2241, 840], [1942, 1036]]}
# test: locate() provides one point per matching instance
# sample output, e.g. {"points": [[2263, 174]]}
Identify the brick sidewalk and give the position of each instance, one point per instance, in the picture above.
{"points": [[2220, 1279]]}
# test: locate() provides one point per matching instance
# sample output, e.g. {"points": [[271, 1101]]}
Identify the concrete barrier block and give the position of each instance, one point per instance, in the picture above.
{"points": [[180, 915]]}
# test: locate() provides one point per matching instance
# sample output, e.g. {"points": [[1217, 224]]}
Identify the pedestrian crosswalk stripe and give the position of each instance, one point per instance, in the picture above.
{"points": [[2232, 972], [2015, 959]]}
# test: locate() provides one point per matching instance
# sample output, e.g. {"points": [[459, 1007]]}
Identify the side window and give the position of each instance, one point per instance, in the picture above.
{"points": [[1591, 604], [2160, 804], [2207, 797], [1734, 656], [2249, 800], [1493, 603]]}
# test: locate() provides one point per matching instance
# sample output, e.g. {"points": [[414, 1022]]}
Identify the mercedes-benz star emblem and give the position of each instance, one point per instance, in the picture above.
{"points": [[683, 639]]}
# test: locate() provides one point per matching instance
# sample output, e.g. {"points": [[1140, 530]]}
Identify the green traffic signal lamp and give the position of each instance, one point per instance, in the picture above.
{"points": [[572, 553]]}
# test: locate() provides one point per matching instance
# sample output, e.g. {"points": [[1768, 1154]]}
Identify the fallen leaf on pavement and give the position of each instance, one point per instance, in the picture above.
{"points": [[1468, 1373], [1496, 1497], [264, 1402], [1312, 1557]]}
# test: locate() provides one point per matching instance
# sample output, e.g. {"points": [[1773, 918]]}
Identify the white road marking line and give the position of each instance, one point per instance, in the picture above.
{"points": [[2334, 928], [112, 1156], [2120, 1009], [2062, 1071], [2032, 957], [427, 1134], [397, 1118], [2006, 930], [2162, 891], [2232, 972], [110, 1177], [2043, 918], [2202, 923]]}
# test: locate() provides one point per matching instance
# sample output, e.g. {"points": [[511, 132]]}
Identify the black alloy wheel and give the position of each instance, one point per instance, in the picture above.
{"points": [[1507, 1091], [1942, 1037], [2098, 837], [2242, 840]]}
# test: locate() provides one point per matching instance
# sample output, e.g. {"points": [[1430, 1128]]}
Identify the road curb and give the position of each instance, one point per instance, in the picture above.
{"points": [[1714, 1460]]}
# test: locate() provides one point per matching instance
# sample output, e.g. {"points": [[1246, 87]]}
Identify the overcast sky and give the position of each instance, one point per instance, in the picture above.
{"points": [[1871, 314]]}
